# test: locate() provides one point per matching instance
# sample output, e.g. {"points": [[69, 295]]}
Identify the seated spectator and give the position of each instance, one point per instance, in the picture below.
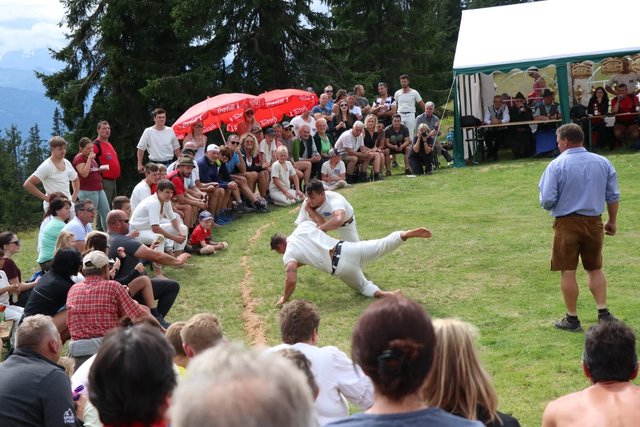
{"points": [[201, 332], [371, 145], [334, 172], [341, 95], [11, 312], [625, 129], [249, 153], [96, 305], [82, 222], [627, 77], [146, 219], [65, 240], [200, 240], [267, 149], [143, 189], [421, 156], [394, 342], [211, 183], [122, 203], [343, 120], [302, 167], [304, 364], [228, 163], [248, 123], [545, 132], [610, 362], [322, 139], [90, 176], [396, 139], [347, 145], [180, 359], [304, 148], [457, 382], [187, 204], [50, 293], [496, 114], [132, 378], [282, 174], [304, 119], [35, 390], [520, 137], [10, 245], [140, 286], [132, 273], [239, 388], [599, 106], [433, 122], [60, 211], [336, 375]]}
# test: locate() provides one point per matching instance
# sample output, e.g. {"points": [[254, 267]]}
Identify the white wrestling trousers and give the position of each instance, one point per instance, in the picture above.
{"points": [[355, 255]]}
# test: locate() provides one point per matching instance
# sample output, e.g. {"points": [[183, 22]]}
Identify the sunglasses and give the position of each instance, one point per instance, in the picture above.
{"points": [[249, 113], [235, 142], [343, 105], [15, 242], [199, 126], [88, 209], [328, 91]]}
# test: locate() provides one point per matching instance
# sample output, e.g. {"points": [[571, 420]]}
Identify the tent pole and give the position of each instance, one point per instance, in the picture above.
{"points": [[458, 149], [563, 91]]}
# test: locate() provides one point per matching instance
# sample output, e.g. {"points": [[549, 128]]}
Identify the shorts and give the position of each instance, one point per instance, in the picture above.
{"points": [[577, 235]]}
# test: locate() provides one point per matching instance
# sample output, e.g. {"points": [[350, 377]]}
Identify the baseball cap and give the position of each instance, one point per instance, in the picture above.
{"points": [[95, 259], [256, 129], [205, 215], [270, 132], [213, 147], [286, 124]]}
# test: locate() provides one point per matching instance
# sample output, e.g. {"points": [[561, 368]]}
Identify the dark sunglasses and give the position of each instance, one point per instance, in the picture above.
{"points": [[248, 113], [199, 126], [15, 242], [235, 142], [343, 105]]}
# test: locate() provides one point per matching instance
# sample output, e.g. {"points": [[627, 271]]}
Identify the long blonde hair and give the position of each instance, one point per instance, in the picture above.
{"points": [[66, 239], [457, 382]]}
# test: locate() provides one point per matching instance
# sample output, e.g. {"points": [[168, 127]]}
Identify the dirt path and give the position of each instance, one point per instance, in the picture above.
{"points": [[254, 326]]}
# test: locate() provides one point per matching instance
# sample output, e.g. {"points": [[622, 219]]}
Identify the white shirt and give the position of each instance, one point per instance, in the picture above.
{"points": [[333, 201], [77, 228], [335, 172], [160, 144], [55, 180], [4, 283], [149, 213], [337, 378], [357, 111], [282, 173], [309, 246], [348, 140], [407, 101], [141, 191], [268, 150], [630, 79], [298, 121]]}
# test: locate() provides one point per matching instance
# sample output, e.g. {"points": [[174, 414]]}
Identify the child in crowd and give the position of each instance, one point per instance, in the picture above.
{"points": [[201, 236], [180, 359], [282, 173]]}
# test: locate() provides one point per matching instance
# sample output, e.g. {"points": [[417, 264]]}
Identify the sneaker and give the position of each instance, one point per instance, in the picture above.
{"points": [[260, 207], [395, 164], [188, 248], [567, 324], [220, 221], [242, 208], [607, 317]]}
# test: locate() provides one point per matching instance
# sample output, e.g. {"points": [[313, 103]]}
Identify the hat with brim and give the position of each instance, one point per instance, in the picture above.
{"points": [[213, 147], [546, 93], [185, 161]]}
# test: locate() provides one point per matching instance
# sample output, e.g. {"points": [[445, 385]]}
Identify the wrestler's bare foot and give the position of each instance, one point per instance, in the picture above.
{"points": [[421, 232], [382, 294]]}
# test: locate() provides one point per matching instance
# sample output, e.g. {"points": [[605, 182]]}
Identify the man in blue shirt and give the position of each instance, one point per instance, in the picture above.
{"points": [[575, 188]]}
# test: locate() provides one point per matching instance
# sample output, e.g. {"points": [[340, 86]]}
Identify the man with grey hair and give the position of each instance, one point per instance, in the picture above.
{"points": [[433, 122], [34, 390], [231, 386], [347, 146]]}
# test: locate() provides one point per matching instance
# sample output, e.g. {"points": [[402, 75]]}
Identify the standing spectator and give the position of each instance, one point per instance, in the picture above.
{"points": [[360, 100], [54, 174], [35, 391], [328, 90], [457, 382], [323, 110], [198, 137], [80, 225], [159, 140], [522, 144], [384, 106], [338, 378], [247, 123], [394, 342], [539, 85], [89, 173], [574, 188], [627, 77], [106, 155], [406, 99]]}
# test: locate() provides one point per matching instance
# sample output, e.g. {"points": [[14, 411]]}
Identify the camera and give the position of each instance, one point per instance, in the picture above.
{"points": [[424, 133]]}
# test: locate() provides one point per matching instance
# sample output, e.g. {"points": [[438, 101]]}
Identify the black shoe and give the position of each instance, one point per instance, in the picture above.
{"points": [[568, 324], [261, 208], [607, 317], [188, 249], [242, 208]]}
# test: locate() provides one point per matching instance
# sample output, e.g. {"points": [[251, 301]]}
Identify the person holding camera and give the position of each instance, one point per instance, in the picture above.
{"points": [[421, 154]]}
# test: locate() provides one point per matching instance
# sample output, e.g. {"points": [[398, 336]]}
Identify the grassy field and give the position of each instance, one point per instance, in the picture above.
{"points": [[487, 263]]}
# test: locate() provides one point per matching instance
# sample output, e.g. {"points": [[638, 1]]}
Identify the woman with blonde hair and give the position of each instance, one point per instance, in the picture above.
{"points": [[250, 155], [458, 383], [198, 137]]}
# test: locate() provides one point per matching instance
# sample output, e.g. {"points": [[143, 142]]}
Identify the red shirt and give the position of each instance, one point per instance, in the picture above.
{"points": [[178, 182], [106, 155], [627, 105], [93, 181], [95, 306], [199, 234]]}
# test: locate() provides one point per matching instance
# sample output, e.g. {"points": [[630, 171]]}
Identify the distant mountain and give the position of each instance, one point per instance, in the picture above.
{"points": [[22, 94]]}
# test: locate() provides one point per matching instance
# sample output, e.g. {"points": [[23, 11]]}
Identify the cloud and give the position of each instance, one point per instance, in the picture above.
{"points": [[28, 25]]}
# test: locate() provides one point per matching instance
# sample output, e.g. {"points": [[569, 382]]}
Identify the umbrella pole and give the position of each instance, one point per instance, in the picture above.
{"points": [[222, 134]]}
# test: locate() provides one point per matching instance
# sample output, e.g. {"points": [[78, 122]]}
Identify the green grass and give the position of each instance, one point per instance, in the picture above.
{"points": [[487, 263]]}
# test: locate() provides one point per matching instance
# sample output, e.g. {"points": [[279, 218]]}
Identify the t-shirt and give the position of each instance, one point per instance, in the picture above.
{"points": [[630, 79], [76, 227], [348, 140], [127, 271], [12, 270], [423, 417], [178, 182], [407, 100], [49, 237], [140, 192], [54, 180], [336, 171], [282, 172], [150, 212], [4, 283], [93, 181], [188, 182], [199, 234], [49, 295], [160, 144], [268, 149], [298, 121], [396, 137], [333, 201], [106, 155]]}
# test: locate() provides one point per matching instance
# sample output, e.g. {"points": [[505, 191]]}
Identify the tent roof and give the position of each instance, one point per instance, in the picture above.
{"points": [[506, 37]]}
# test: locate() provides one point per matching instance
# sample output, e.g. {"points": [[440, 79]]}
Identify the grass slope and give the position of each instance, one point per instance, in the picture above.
{"points": [[487, 263]]}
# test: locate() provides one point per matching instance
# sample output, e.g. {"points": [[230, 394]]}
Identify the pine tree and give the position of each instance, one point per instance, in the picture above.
{"points": [[58, 127]]}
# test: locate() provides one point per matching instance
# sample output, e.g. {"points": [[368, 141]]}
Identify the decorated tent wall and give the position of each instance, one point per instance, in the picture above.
{"points": [[568, 24]]}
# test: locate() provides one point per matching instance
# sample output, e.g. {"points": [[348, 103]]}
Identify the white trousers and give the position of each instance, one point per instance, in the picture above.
{"points": [[355, 255], [409, 120]]}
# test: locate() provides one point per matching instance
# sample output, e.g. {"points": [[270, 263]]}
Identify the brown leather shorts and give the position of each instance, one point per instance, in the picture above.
{"points": [[577, 235]]}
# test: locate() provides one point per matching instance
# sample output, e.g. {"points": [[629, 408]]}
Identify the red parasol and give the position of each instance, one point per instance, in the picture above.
{"points": [[212, 112], [278, 103]]}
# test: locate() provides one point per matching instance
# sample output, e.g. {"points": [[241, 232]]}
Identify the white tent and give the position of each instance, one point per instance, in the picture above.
{"points": [[552, 32]]}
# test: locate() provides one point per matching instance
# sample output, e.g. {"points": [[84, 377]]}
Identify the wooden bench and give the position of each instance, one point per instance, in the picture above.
{"points": [[5, 334]]}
